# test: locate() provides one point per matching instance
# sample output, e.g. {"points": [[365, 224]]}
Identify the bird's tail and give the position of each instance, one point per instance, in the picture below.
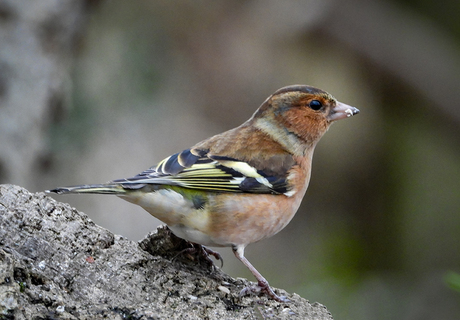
{"points": [[115, 189]]}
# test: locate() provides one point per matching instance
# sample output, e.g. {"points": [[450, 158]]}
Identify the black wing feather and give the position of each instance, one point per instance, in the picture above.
{"points": [[196, 169]]}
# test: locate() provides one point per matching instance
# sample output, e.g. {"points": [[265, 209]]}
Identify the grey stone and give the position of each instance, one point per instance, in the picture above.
{"points": [[55, 263]]}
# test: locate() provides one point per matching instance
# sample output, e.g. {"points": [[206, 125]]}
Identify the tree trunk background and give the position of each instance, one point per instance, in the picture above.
{"points": [[38, 42], [55, 263]]}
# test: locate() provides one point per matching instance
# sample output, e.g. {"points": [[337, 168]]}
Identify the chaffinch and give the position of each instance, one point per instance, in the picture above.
{"points": [[240, 186]]}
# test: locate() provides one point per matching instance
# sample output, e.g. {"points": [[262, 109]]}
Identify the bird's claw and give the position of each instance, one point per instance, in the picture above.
{"points": [[203, 252], [213, 253], [265, 289]]}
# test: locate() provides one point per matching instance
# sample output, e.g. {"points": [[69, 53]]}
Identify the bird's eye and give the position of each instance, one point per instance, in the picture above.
{"points": [[315, 104]]}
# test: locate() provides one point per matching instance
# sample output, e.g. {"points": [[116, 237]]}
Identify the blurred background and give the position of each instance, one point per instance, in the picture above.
{"points": [[91, 91]]}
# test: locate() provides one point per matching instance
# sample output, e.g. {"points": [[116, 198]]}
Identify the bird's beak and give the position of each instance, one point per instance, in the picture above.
{"points": [[342, 111]]}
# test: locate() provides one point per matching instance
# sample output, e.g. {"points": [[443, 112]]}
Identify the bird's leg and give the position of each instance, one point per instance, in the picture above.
{"points": [[262, 283]]}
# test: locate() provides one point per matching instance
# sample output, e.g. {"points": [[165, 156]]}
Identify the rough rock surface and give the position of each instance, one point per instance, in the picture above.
{"points": [[55, 263]]}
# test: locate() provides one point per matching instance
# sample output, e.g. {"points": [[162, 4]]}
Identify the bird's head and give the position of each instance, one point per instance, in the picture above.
{"points": [[304, 111]]}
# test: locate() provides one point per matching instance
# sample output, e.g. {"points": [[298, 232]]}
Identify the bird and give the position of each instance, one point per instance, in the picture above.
{"points": [[240, 186]]}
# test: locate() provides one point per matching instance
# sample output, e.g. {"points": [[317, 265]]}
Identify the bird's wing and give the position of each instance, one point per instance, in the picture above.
{"points": [[196, 169]]}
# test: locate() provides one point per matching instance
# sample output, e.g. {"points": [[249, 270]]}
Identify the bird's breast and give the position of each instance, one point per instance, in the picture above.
{"points": [[247, 218]]}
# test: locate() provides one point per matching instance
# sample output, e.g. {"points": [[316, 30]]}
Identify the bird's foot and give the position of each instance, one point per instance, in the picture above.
{"points": [[264, 288], [209, 252], [203, 253]]}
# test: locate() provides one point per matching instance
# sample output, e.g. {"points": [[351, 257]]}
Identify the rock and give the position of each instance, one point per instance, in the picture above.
{"points": [[55, 263]]}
